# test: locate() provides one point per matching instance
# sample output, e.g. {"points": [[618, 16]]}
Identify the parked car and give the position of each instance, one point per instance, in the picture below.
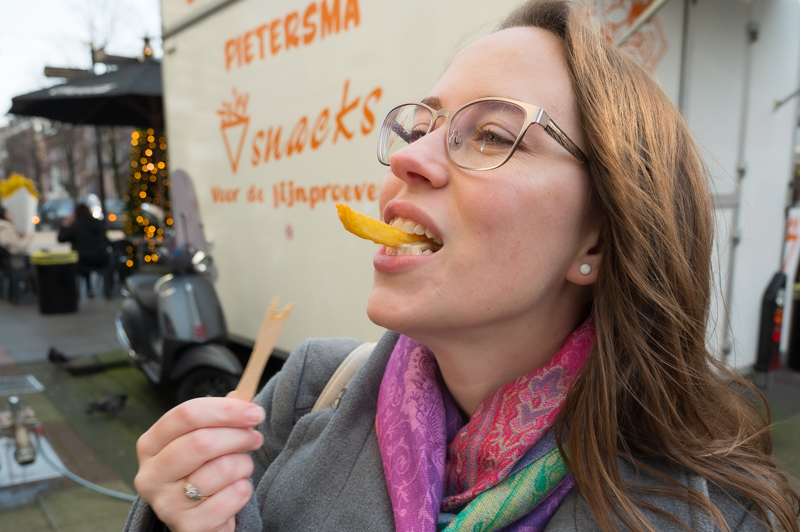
{"points": [[53, 212]]}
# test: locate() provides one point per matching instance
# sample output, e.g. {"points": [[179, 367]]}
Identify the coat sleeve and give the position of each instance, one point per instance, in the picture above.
{"points": [[65, 233], [289, 395], [10, 239]]}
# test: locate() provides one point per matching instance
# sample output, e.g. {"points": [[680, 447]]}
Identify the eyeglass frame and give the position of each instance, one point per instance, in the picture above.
{"points": [[533, 115]]}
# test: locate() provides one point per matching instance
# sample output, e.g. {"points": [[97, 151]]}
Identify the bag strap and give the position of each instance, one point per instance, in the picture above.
{"points": [[341, 377]]}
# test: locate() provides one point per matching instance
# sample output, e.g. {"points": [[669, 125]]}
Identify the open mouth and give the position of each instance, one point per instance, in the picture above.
{"points": [[425, 247]]}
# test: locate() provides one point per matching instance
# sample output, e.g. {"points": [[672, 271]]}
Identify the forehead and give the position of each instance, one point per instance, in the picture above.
{"points": [[525, 64]]}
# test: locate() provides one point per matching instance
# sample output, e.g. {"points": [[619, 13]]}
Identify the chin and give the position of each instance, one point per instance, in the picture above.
{"points": [[391, 311]]}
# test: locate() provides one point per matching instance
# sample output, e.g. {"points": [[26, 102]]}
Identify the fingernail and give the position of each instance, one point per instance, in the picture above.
{"points": [[255, 414]]}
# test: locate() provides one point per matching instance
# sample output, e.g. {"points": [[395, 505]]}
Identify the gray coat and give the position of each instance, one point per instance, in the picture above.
{"points": [[322, 471]]}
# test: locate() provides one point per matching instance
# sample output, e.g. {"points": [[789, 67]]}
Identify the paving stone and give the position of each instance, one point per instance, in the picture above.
{"points": [[108, 524], [46, 411], [82, 507], [28, 518], [77, 456]]}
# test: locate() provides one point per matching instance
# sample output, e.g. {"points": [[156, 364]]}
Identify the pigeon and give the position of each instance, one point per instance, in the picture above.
{"points": [[57, 358], [110, 404]]}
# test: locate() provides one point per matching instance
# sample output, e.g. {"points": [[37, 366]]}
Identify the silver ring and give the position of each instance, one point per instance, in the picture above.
{"points": [[191, 492]]}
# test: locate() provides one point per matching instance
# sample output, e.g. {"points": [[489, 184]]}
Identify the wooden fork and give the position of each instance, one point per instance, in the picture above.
{"points": [[268, 336]]}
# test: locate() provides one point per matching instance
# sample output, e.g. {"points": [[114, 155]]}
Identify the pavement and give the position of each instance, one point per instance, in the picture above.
{"points": [[98, 447], [101, 447]]}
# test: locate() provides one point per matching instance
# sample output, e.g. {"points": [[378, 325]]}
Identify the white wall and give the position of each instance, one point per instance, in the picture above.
{"points": [[768, 158]]}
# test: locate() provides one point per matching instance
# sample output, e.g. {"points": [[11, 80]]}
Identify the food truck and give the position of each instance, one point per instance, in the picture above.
{"points": [[272, 109]]}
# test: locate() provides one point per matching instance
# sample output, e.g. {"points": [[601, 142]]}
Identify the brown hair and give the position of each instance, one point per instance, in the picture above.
{"points": [[651, 389]]}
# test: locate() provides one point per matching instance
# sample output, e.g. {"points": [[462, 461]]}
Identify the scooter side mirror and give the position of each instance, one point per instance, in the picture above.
{"points": [[201, 262]]}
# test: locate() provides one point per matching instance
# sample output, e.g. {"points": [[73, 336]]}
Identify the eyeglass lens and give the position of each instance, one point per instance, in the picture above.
{"points": [[479, 135]]}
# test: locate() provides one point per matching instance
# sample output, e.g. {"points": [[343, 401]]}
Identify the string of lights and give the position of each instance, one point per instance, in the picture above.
{"points": [[148, 192]]}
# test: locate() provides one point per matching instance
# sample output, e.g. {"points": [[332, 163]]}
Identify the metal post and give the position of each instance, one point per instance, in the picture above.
{"points": [[102, 185]]}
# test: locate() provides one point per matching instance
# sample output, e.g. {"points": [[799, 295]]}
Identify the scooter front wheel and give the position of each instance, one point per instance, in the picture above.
{"points": [[206, 382]]}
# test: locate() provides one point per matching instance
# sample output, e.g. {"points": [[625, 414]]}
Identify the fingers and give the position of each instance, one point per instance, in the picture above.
{"points": [[218, 474], [215, 513], [191, 451], [201, 458], [195, 414]]}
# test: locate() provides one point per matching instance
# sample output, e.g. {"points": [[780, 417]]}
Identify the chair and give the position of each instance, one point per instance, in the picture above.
{"points": [[16, 269]]}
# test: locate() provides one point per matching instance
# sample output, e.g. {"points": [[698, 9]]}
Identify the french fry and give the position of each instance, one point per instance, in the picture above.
{"points": [[371, 229]]}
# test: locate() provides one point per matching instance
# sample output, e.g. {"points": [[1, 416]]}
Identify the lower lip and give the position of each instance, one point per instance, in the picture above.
{"points": [[397, 263]]}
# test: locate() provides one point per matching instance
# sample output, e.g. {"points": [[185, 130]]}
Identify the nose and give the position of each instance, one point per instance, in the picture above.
{"points": [[424, 162]]}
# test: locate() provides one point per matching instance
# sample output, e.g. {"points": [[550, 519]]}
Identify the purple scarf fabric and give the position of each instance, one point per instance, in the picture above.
{"points": [[436, 466]]}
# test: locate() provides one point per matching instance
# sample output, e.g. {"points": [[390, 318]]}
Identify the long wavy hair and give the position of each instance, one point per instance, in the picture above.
{"points": [[651, 389]]}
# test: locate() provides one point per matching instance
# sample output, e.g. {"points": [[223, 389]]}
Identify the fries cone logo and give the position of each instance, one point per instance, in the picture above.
{"points": [[649, 44], [233, 125]]}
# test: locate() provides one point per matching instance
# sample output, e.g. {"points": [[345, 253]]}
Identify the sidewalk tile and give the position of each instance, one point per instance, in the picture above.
{"points": [[28, 518], [80, 507]]}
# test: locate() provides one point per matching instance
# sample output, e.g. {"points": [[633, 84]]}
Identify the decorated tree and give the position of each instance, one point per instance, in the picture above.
{"points": [[147, 196]]}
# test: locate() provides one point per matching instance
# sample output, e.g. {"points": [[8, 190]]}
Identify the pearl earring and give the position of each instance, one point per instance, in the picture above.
{"points": [[586, 269]]}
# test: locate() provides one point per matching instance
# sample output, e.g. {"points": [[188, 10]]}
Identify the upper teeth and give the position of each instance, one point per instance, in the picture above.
{"points": [[414, 228]]}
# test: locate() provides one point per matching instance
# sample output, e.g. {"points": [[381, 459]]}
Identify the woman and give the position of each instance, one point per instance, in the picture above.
{"points": [[12, 240], [552, 372], [87, 235]]}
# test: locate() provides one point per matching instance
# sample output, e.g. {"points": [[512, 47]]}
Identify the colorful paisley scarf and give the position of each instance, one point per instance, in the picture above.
{"points": [[501, 470]]}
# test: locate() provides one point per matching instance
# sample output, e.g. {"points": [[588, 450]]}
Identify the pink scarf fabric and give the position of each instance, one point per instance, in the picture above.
{"points": [[433, 462]]}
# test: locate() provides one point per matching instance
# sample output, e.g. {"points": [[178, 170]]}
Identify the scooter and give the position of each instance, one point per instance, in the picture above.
{"points": [[173, 326]]}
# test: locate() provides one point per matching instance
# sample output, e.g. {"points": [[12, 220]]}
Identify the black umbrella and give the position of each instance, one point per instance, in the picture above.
{"points": [[129, 96]]}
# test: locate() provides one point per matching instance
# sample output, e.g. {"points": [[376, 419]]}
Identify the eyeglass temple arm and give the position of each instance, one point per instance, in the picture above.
{"points": [[559, 136]]}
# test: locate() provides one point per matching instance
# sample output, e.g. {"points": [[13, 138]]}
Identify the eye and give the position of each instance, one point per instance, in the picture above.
{"points": [[490, 137], [416, 134]]}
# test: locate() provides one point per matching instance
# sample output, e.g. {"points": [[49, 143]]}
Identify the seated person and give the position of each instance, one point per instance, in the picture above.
{"points": [[88, 237], [11, 239]]}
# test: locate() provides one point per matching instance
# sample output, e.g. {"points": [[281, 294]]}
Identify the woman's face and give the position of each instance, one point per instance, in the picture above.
{"points": [[514, 237]]}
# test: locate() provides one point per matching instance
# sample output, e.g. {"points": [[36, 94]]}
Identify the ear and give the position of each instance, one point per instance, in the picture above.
{"points": [[591, 254]]}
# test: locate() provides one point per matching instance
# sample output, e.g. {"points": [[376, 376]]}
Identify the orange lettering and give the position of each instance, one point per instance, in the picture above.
{"points": [[260, 33], [351, 13], [274, 46], [248, 56], [298, 137], [308, 24], [224, 195], [290, 29], [320, 126], [368, 123], [259, 137], [314, 194], [287, 193], [273, 144], [239, 51], [330, 19], [230, 53], [346, 108]]}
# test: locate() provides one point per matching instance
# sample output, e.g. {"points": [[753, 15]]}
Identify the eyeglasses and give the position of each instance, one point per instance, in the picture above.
{"points": [[481, 135]]}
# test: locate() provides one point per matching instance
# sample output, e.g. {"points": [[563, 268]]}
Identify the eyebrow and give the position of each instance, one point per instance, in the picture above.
{"points": [[433, 102]]}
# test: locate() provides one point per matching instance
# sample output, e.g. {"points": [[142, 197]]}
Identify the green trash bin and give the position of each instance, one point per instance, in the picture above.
{"points": [[56, 273]]}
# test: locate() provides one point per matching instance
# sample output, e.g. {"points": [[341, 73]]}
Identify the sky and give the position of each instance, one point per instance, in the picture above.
{"points": [[39, 33]]}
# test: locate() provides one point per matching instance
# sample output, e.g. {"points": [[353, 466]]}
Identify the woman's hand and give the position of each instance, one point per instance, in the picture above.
{"points": [[200, 442]]}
